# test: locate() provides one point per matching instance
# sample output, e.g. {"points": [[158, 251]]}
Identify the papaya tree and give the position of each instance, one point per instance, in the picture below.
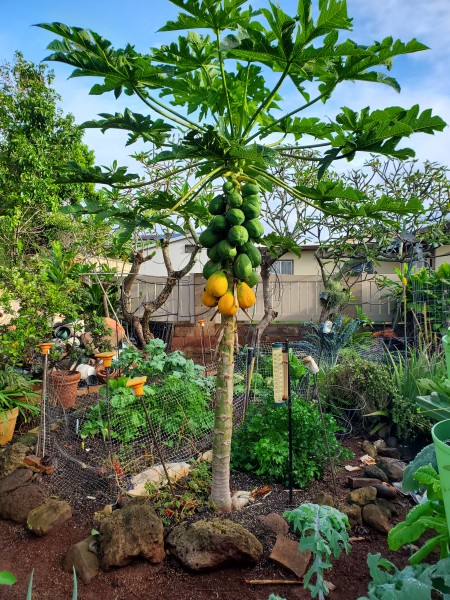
{"points": [[219, 84]]}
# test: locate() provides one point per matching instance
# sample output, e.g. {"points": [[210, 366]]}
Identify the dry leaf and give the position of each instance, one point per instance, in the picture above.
{"points": [[351, 468]]}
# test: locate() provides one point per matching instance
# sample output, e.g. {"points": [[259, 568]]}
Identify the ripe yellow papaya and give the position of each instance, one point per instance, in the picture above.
{"points": [[208, 299], [217, 284], [245, 295], [227, 305]]}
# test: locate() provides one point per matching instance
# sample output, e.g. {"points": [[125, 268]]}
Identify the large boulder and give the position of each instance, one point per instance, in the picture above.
{"points": [[81, 558], [12, 458], [135, 530], [48, 517], [17, 504], [210, 544]]}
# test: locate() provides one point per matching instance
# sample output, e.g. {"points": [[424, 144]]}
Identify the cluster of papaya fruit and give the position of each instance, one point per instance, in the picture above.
{"points": [[233, 256]]}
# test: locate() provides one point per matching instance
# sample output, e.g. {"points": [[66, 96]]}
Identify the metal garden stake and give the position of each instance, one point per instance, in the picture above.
{"points": [[40, 448]]}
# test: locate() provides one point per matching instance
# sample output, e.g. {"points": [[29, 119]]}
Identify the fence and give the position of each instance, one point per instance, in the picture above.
{"points": [[295, 298]]}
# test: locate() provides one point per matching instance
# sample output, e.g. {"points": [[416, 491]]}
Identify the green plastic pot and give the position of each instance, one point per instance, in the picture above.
{"points": [[441, 433]]}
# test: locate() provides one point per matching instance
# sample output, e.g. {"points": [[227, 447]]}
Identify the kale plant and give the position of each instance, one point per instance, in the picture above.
{"points": [[418, 582], [324, 531]]}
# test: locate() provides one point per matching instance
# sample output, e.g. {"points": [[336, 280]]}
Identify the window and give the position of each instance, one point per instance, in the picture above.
{"points": [[283, 267], [365, 267], [189, 248]]}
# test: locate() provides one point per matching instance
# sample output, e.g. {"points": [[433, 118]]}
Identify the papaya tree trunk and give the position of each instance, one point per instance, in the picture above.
{"points": [[223, 422]]}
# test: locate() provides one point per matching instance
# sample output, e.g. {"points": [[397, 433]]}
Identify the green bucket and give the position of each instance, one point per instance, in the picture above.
{"points": [[441, 433]]}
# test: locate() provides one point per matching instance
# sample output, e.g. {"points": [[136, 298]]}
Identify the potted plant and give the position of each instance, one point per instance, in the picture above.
{"points": [[16, 397], [64, 378]]}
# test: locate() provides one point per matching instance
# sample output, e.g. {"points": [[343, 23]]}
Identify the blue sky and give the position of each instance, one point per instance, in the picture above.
{"points": [[424, 77]]}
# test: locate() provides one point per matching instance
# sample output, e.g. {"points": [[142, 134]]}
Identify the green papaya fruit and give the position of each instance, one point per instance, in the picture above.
{"points": [[226, 250], [252, 279], [242, 267], [209, 238], [255, 229], [249, 189], [234, 199], [229, 186], [213, 254], [235, 216], [217, 205], [210, 268], [252, 252], [251, 210], [218, 224], [238, 235]]}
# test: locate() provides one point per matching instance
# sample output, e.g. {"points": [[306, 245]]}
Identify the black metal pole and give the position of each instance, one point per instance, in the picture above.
{"points": [[289, 405]]}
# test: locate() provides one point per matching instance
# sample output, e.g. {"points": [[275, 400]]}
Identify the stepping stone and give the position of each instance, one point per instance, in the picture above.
{"points": [[286, 553], [14, 480]]}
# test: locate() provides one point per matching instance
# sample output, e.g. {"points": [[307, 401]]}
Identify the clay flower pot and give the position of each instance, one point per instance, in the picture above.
{"points": [[63, 386], [7, 425]]}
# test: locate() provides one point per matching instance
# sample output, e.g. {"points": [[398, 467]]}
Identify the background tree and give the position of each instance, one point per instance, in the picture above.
{"points": [[228, 86]]}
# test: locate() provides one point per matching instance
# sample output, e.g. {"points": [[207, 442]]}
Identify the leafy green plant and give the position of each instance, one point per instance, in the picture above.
{"points": [[261, 443], [324, 531], [414, 582], [16, 392], [191, 493], [436, 404], [427, 456], [7, 578], [430, 515], [358, 385]]}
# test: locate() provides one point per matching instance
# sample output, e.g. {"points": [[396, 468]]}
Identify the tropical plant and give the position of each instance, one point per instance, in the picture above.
{"points": [[429, 515], [323, 531], [427, 582], [436, 404], [16, 391], [229, 85]]}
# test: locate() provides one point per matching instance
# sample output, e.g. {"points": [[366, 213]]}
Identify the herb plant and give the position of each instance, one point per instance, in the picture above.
{"points": [[415, 582], [430, 515], [324, 531], [261, 444]]}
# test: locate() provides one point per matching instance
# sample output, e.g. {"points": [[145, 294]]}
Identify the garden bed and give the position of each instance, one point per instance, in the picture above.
{"points": [[21, 552]]}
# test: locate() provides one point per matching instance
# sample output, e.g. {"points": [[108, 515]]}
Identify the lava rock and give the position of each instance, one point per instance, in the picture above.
{"points": [[14, 480], [393, 469], [375, 472], [392, 442], [85, 562], [135, 530], [379, 444], [369, 448], [274, 522], [48, 517], [387, 507], [389, 452], [211, 544], [12, 458], [17, 504], [375, 517], [363, 496], [353, 512], [324, 499]]}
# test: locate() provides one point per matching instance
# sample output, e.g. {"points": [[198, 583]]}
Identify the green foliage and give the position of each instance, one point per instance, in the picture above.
{"points": [[324, 531], [178, 399], [427, 456], [357, 383], [16, 391], [406, 374], [418, 582], [7, 578], [191, 494], [261, 444], [430, 515]]}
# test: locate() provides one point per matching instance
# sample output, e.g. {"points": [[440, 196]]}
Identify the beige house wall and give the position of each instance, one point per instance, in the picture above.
{"points": [[441, 255]]}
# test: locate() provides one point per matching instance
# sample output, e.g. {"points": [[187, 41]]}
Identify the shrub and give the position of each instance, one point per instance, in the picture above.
{"points": [[261, 443], [356, 384]]}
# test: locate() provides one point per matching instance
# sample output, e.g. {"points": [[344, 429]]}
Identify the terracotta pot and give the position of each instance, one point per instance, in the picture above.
{"points": [[101, 373], [63, 386], [7, 425]]}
